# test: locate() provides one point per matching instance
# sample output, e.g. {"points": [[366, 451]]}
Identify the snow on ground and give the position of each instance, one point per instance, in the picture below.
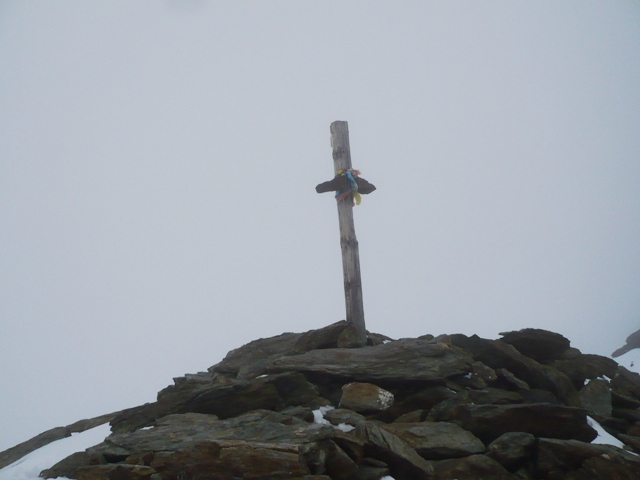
{"points": [[30, 466], [603, 437]]}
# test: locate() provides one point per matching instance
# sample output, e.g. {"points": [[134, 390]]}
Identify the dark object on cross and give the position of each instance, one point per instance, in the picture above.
{"points": [[340, 183]]}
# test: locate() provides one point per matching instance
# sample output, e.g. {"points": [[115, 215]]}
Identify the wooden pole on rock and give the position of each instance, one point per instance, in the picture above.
{"points": [[348, 241]]}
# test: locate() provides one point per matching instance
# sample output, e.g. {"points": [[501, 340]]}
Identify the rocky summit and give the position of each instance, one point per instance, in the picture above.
{"points": [[301, 406]]}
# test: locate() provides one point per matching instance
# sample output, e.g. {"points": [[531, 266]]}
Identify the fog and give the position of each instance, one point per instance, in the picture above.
{"points": [[158, 163]]}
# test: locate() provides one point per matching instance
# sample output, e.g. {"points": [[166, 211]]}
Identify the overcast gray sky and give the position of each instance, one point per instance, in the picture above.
{"points": [[158, 163]]}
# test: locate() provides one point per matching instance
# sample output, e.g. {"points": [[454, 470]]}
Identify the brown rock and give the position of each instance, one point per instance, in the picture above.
{"points": [[365, 397], [475, 467], [68, 466], [115, 472], [349, 338], [224, 459]]}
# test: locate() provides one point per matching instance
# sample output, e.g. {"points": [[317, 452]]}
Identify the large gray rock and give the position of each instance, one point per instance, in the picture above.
{"points": [[586, 366], [488, 422], [402, 360], [184, 431], [596, 397], [437, 440]]}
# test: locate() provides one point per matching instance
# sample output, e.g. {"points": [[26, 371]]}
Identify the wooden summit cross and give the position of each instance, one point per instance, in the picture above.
{"points": [[348, 186]]}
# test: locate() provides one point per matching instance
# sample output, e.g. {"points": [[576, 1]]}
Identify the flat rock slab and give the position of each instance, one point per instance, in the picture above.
{"points": [[185, 431], [402, 360], [437, 440]]}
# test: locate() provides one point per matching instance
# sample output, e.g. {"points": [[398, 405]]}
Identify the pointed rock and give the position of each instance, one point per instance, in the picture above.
{"points": [[403, 460], [541, 345]]}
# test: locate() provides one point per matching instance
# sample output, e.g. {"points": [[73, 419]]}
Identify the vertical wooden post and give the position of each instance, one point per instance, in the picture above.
{"points": [[348, 241]]}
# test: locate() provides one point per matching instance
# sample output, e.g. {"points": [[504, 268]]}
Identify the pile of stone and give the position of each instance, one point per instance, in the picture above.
{"points": [[453, 407]]}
